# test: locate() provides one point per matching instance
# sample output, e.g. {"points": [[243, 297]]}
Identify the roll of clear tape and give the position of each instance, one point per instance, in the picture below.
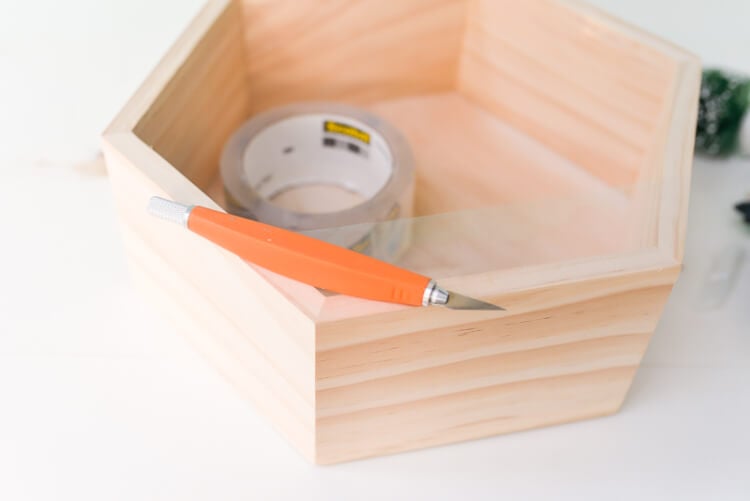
{"points": [[325, 169]]}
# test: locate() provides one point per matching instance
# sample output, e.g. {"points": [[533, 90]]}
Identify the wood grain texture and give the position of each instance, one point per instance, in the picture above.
{"points": [[526, 291], [475, 414], [498, 164], [565, 77], [553, 147], [355, 52], [490, 184], [485, 370], [617, 314], [227, 349], [227, 308], [201, 103], [429, 383]]}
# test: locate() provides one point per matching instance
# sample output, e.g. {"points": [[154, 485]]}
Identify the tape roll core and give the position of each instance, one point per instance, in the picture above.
{"points": [[314, 166]]}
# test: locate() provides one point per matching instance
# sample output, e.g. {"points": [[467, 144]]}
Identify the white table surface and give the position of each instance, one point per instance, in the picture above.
{"points": [[101, 399]]}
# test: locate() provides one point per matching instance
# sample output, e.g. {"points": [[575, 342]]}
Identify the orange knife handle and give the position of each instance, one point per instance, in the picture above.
{"points": [[309, 260]]}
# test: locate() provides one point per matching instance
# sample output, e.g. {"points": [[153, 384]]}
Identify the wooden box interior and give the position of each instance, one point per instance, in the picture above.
{"points": [[529, 109]]}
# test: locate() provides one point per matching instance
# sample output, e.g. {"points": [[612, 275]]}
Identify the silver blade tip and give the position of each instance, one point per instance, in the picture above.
{"points": [[458, 301]]}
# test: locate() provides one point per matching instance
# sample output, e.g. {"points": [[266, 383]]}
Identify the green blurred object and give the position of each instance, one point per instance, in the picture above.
{"points": [[744, 209], [724, 101]]}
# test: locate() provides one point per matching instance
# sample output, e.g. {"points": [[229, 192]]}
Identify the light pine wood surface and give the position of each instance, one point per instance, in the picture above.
{"points": [[553, 146]]}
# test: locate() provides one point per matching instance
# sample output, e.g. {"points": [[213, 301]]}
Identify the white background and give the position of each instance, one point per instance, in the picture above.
{"points": [[100, 399]]}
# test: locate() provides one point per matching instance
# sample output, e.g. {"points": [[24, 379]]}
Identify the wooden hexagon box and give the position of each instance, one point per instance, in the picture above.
{"points": [[506, 104]]}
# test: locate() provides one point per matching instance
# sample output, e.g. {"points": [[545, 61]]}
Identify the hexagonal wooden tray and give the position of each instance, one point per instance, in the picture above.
{"points": [[567, 130]]}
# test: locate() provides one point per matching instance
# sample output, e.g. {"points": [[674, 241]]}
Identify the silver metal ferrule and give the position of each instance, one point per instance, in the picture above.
{"points": [[169, 210], [434, 294]]}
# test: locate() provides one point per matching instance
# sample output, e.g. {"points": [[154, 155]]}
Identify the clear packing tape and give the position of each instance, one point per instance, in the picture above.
{"points": [[520, 234], [315, 166], [555, 227]]}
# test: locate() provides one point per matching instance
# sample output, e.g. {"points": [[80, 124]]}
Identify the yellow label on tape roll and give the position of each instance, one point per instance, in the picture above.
{"points": [[346, 130]]}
